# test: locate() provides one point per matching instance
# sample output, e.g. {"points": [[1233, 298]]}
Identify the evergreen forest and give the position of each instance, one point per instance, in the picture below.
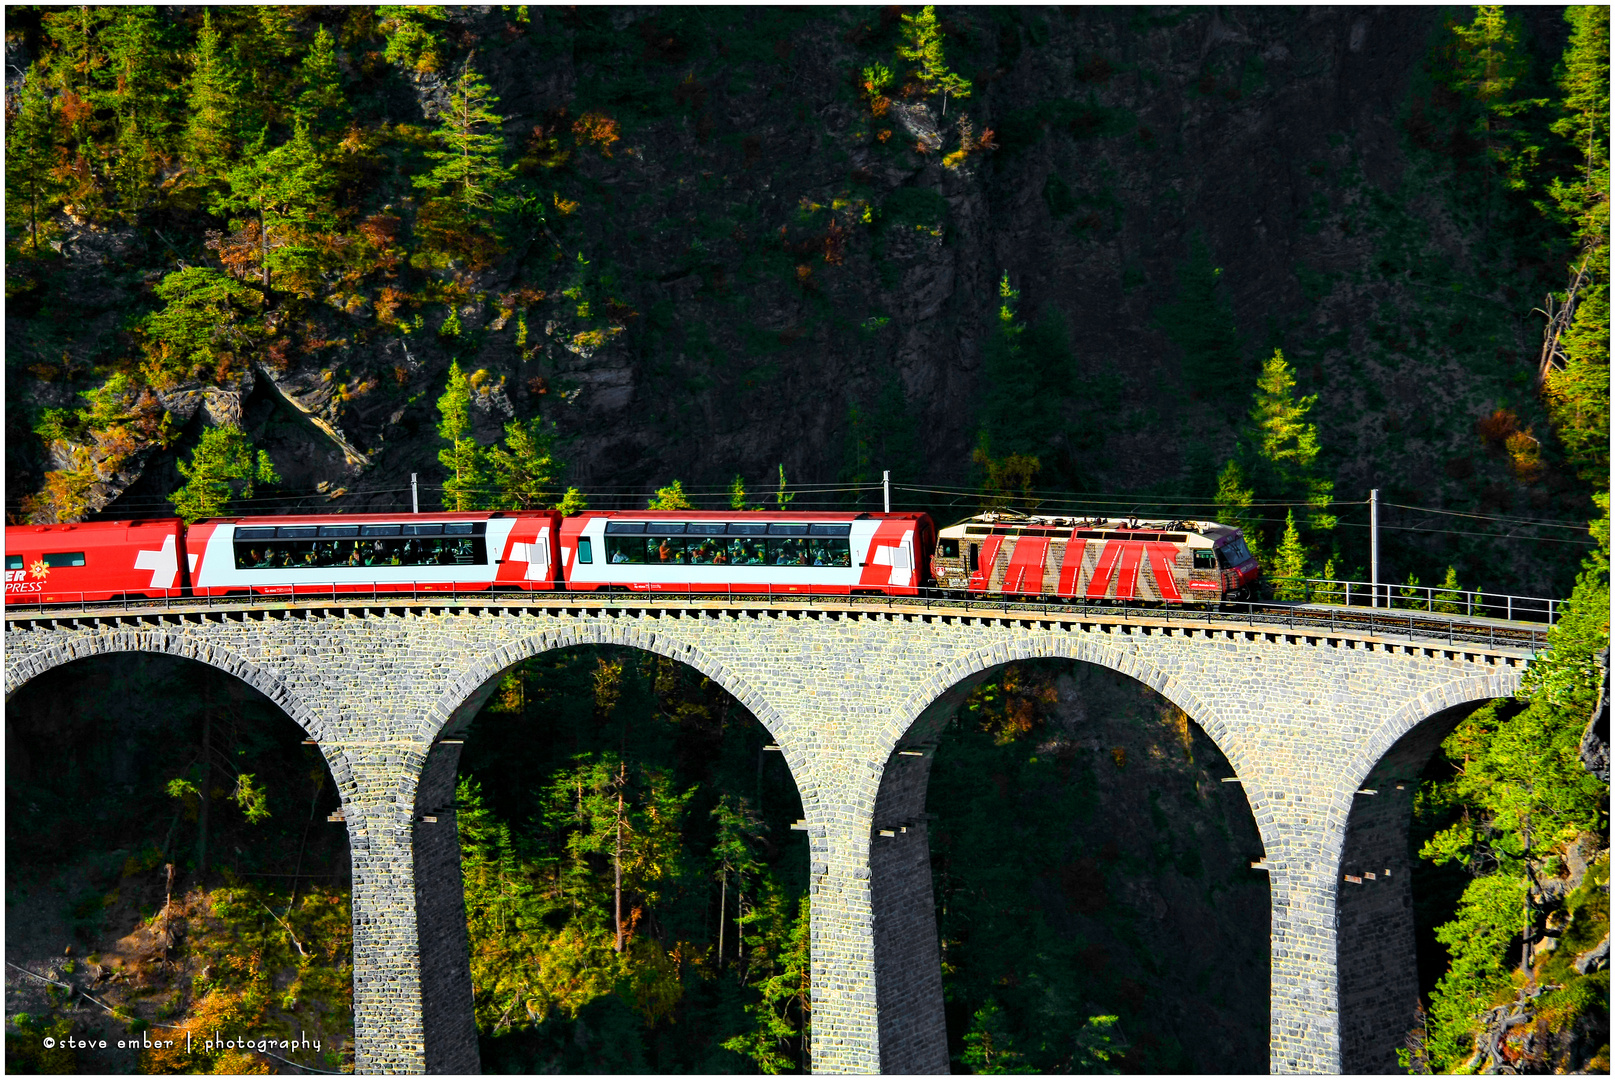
{"points": [[1242, 264]]}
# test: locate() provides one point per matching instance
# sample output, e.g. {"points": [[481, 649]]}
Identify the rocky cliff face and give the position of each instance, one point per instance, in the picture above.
{"points": [[760, 269]]}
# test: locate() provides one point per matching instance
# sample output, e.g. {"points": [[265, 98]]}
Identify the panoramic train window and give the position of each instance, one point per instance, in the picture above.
{"points": [[65, 558], [316, 547], [723, 544]]}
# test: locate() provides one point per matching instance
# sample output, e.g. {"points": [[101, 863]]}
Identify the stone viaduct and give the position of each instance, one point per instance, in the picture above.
{"points": [[1327, 731]]}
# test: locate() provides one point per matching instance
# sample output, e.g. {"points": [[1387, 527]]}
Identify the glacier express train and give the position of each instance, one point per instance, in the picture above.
{"points": [[629, 551]]}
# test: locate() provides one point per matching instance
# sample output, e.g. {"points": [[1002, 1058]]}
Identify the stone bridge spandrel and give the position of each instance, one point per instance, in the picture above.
{"points": [[853, 696]]}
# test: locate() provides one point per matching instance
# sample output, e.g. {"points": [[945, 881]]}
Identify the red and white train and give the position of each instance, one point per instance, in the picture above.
{"points": [[628, 550]]}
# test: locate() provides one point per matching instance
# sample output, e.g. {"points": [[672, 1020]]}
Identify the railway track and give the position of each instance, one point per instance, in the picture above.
{"points": [[1380, 623]]}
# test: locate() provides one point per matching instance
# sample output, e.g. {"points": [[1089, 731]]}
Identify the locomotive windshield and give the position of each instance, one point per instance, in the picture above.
{"points": [[1234, 552], [333, 546]]}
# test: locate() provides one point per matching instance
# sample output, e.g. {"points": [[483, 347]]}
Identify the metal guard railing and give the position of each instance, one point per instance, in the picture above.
{"points": [[1471, 603], [1425, 625]]}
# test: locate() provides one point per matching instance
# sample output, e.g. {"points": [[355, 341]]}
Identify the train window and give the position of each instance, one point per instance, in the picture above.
{"points": [[664, 526], [13, 562], [334, 552], [948, 549], [65, 558], [255, 534], [454, 528], [788, 552], [1205, 559], [977, 530], [749, 528], [624, 527], [777, 529], [664, 549], [707, 528], [1234, 552], [823, 551], [585, 550], [339, 530], [378, 530], [423, 530], [829, 530], [297, 532]]}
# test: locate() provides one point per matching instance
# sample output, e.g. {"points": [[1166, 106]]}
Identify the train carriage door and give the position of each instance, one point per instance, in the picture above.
{"points": [[891, 556], [981, 571]]}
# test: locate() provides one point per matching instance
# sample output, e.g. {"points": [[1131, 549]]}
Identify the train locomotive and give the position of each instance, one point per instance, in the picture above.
{"points": [[1086, 559]]}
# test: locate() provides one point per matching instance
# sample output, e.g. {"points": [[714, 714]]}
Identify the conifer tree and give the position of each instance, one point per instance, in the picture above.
{"points": [[922, 47], [1290, 562], [208, 321], [223, 468], [142, 95], [464, 459], [211, 100], [31, 153], [524, 468], [321, 106], [470, 167], [1285, 445], [671, 497], [1575, 381], [283, 189]]}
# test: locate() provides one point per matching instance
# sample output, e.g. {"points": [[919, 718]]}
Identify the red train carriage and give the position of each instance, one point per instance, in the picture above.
{"points": [[685, 550], [1096, 559], [93, 561], [354, 553]]}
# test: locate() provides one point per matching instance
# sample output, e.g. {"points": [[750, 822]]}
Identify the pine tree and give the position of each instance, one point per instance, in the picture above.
{"points": [[524, 468], [31, 153], [223, 468], [142, 94], [208, 322], [671, 497], [1286, 446], [211, 100], [922, 47], [284, 190], [322, 107], [1575, 381], [989, 1047], [1290, 562], [470, 168], [464, 488]]}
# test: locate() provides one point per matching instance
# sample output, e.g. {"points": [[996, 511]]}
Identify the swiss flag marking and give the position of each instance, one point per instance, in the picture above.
{"points": [[164, 564]]}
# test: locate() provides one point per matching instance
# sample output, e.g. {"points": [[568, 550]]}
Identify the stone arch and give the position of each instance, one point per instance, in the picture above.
{"points": [[1376, 950], [85, 645], [450, 712], [973, 663], [907, 954]]}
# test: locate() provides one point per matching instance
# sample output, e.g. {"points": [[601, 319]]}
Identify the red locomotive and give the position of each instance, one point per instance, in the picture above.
{"points": [[1083, 559], [1096, 558]]}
